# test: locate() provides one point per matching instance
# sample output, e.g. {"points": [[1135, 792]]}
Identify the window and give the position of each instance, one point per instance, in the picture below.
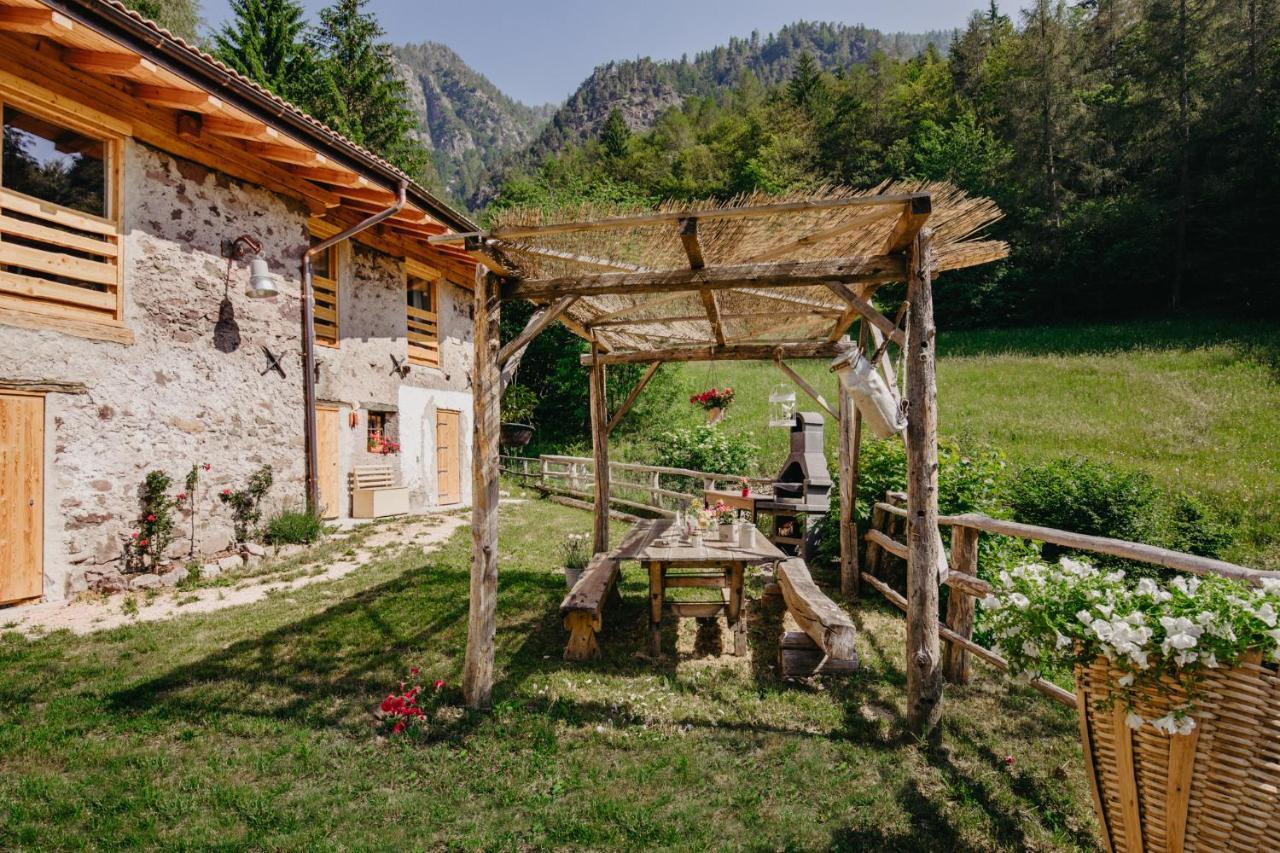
{"points": [[421, 293], [60, 235], [382, 437], [324, 285]]}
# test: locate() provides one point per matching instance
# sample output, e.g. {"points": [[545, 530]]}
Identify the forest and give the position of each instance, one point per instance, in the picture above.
{"points": [[1131, 143]]}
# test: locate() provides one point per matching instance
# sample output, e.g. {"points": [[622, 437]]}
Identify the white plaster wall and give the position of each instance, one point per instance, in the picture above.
{"points": [[418, 443]]}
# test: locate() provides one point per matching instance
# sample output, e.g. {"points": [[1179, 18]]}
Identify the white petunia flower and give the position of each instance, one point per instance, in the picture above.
{"points": [[1271, 586], [1085, 617], [1133, 721], [1146, 586], [1267, 614], [1019, 601], [1061, 640], [1165, 724], [1126, 680], [990, 602]]}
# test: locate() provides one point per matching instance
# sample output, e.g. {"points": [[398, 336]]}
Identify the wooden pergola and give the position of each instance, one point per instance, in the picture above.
{"points": [[755, 278]]}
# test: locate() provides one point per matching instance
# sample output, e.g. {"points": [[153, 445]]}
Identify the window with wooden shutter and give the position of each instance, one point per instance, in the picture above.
{"points": [[324, 286], [421, 313], [59, 219]]}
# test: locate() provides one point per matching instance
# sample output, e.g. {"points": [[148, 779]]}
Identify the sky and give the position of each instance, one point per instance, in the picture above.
{"points": [[538, 51]]}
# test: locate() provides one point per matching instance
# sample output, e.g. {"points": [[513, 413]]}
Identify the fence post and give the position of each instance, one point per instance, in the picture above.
{"points": [[655, 497], [873, 549], [960, 605]]}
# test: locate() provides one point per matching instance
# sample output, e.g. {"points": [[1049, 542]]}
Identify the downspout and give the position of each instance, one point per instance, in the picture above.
{"points": [[309, 341]]}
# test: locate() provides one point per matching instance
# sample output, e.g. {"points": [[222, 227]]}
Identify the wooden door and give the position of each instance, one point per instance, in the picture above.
{"points": [[329, 476], [448, 457], [21, 497]]}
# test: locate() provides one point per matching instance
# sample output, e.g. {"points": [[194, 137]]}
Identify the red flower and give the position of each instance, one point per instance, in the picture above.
{"points": [[226, 492], [151, 517], [142, 542], [206, 466], [133, 535], [388, 704], [413, 670], [182, 496], [397, 728], [439, 685], [1008, 761]]}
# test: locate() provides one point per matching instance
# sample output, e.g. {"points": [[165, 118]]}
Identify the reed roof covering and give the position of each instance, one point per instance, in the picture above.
{"points": [[766, 238]]}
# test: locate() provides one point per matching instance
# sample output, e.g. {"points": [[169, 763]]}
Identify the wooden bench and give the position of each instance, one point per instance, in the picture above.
{"points": [[582, 609], [374, 493], [825, 643]]}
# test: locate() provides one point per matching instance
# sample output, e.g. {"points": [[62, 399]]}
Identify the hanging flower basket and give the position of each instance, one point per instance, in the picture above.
{"points": [[713, 401], [1210, 788]]}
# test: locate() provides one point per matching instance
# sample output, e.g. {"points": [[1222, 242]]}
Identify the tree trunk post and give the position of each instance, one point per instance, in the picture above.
{"points": [[600, 453], [960, 605], [477, 671], [850, 445], [924, 656]]}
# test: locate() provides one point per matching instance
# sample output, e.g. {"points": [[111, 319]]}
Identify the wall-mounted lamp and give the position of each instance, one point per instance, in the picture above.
{"points": [[262, 284]]}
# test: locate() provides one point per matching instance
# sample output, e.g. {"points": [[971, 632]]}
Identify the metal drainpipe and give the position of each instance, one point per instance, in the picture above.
{"points": [[309, 341]]}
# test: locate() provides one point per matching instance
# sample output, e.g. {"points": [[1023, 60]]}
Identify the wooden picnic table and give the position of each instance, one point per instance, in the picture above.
{"points": [[712, 565]]}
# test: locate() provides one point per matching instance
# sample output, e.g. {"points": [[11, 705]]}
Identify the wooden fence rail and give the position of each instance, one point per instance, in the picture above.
{"points": [[889, 518], [630, 484]]}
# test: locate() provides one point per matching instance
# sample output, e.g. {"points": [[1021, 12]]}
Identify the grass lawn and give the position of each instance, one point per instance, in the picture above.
{"points": [[251, 728], [1194, 403]]}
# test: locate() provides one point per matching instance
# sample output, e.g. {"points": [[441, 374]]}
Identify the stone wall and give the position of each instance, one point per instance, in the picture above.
{"points": [[194, 387]]}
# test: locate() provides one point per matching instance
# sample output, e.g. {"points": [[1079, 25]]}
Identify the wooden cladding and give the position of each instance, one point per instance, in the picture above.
{"points": [[324, 287], [421, 317], [60, 236]]}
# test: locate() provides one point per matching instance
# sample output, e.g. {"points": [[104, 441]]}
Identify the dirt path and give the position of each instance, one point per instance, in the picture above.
{"points": [[86, 615]]}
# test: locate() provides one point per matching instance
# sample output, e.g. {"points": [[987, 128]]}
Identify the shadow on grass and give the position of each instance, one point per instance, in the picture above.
{"points": [[327, 670]]}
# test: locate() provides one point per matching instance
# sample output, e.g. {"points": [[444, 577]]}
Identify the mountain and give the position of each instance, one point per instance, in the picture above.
{"points": [[464, 119], [479, 134]]}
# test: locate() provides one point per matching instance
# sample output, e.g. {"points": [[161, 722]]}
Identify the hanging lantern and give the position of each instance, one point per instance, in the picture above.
{"points": [[782, 406]]}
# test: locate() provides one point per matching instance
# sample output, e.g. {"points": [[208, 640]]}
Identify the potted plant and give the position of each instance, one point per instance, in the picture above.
{"points": [[575, 555], [721, 516], [1177, 679], [518, 404], [713, 401]]}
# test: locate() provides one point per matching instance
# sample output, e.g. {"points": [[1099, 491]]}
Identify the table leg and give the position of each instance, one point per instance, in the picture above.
{"points": [[738, 625], [656, 600]]}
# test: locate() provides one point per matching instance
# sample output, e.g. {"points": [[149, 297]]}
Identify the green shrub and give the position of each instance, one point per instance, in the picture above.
{"points": [[293, 527], [704, 448], [1101, 499], [518, 404], [246, 503]]}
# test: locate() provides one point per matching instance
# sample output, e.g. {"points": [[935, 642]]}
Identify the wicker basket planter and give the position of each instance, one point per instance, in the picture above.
{"points": [[1217, 788]]}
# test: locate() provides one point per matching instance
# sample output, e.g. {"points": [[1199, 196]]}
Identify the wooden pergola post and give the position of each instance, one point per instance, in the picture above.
{"points": [[924, 657], [477, 670], [850, 445], [600, 451]]}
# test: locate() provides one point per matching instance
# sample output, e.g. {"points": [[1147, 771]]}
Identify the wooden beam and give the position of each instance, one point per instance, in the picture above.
{"points": [[692, 247], [867, 310], [960, 607], [111, 63], [731, 352], [516, 231], [328, 175], [850, 424], [696, 318], [807, 388], [477, 670], [239, 128], [667, 298], [175, 98], [540, 320], [914, 215], [20, 19], [773, 274], [924, 657], [846, 318], [813, 238], [283, 153], [600, 453], [585, 260], [631, 398], [709, 302]]}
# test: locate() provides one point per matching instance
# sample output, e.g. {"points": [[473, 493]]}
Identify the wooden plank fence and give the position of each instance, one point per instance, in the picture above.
{"points": [[654, 489], [889, 520]]}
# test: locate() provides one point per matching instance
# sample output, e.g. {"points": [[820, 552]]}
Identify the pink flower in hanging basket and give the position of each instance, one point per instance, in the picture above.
{"points": [[713, 398]]}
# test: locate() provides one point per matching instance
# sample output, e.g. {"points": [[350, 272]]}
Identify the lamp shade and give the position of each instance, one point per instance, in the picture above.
{"points": [[262, 284]]}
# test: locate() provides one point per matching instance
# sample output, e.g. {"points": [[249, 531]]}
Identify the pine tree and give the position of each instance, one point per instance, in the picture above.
{"points": [[180, 17], [615, 135], [806, 87], [263, 41], [358, 91]]}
